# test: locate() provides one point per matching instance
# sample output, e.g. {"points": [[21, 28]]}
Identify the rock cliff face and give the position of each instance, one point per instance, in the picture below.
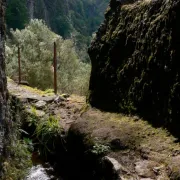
{"points": [[3, 91], [135, 61]]}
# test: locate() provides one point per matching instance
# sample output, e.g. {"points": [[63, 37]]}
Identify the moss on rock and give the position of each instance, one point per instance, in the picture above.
{"points": [[3, 89], [135, 61]]}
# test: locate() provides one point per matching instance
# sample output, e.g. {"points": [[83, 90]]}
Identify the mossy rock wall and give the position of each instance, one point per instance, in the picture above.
{"points": [[136, 61], [3, 90]]}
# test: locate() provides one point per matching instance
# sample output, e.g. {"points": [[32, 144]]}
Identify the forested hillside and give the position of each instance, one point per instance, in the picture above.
{"points": [[72, 21], [76, 19]]}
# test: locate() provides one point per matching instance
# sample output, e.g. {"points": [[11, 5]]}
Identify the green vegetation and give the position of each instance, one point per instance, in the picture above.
{"points": [[17, 152], [16, 14], [75, 19], [47, 132], [17, 165], [83, 16], [32, 119], [64, 17], [49, 91], [100, 149], [36, 44]]}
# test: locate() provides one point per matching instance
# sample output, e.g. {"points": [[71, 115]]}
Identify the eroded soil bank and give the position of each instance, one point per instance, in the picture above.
{"points": [[98, 145]]}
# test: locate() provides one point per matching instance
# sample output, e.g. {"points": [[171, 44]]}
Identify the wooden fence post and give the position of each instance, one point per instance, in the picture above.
{"points": [[19, 64], [55, 68]]}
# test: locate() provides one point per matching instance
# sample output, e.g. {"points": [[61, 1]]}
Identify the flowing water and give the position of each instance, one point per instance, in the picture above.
{"points": [[41, 170], [38, 173]]}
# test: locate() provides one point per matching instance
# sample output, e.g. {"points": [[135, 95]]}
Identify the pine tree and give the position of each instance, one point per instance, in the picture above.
{"points": [[16, 14]]}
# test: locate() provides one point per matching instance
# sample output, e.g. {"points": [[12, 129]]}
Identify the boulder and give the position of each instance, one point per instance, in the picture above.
{"points": [[40, 104]]}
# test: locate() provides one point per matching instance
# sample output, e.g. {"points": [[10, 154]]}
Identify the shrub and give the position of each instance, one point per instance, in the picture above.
{"points": [[100, 149], [48, 131], [18, 164]]}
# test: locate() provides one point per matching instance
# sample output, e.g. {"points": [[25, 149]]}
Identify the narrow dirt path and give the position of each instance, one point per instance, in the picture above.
{"points": [[64, 107]]}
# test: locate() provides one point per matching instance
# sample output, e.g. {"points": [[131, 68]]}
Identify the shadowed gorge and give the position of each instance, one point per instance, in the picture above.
{"points": [[135, 61]]}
